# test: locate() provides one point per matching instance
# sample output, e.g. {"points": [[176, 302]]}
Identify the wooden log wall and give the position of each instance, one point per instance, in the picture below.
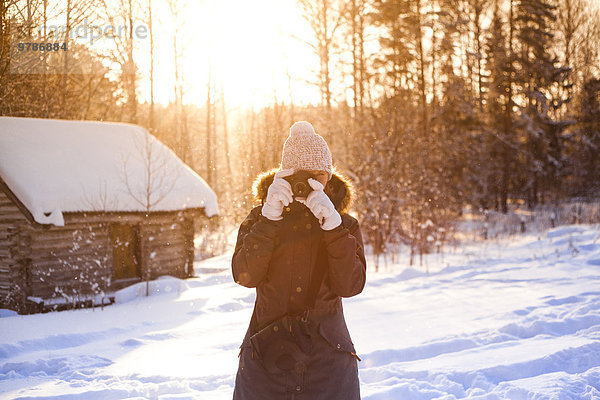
{"points": [[166, 238], [11, 269], [168, 248], [76, 260], [70, 262]]}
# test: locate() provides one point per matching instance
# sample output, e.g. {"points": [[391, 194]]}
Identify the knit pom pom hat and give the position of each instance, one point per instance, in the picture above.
{"points": [[305, 150]]}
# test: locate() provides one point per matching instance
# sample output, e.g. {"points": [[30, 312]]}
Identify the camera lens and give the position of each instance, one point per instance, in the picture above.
{"points": [[300, 189]]}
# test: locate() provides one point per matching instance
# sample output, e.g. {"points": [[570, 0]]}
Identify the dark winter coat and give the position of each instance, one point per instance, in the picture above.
{"points": [[277, 258]]}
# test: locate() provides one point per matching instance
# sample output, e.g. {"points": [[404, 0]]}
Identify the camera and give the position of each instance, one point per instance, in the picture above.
{"points": [[299, 183]]}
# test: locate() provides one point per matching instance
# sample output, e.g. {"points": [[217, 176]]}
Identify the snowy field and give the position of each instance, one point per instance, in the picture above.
{"points": [[512, 319]]}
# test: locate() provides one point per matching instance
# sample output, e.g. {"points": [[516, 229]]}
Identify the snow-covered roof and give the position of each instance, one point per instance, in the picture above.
{"points": [[56, 166]]}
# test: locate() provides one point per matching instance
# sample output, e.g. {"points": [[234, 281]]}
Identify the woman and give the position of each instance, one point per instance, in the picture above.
{"points": [[303, 253]]}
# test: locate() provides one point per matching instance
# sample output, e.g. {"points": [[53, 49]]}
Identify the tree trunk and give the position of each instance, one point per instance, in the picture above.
{"points": [[151, 113]]}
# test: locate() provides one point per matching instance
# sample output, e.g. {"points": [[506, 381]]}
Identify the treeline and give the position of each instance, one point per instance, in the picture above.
{"points": [[427, 105], [485, 103]]}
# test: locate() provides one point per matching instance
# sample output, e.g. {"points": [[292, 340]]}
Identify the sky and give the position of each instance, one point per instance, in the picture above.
{"points": [[256, 51], [250, 48]]}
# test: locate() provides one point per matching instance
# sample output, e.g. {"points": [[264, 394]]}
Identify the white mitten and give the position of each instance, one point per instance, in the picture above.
{"points": [[321, 206], [279, 195]]}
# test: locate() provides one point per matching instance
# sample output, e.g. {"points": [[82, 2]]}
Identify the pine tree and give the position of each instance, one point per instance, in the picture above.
{"points": [[397, 56], [537, 74], [588, 133], [498, 108]]}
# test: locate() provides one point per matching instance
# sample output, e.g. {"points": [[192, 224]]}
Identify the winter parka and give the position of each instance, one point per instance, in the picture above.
{"points": [[277, 258]]}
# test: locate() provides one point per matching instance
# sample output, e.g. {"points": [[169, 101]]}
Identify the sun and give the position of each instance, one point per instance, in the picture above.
{"points": [[253, 51]]}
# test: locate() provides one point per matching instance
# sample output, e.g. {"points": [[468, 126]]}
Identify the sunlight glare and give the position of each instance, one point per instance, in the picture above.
{"points": [[249, 48]]}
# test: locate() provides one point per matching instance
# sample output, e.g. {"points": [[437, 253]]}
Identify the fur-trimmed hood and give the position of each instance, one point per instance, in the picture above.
{"points": [[339, 189]]}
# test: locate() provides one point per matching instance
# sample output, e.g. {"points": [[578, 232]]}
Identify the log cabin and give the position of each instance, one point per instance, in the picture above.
{"points": [[87, 208]]}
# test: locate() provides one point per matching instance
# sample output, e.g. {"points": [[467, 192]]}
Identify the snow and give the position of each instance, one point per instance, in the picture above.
{"points": [[507, 319], [163, 285], [57, 166]]}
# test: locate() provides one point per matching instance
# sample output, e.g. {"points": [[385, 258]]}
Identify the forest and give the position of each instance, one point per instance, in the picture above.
{"points": [[429, 106]]}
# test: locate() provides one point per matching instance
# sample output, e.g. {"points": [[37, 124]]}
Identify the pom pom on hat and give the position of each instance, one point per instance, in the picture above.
{"points": [[305, 150], [302, 128]]}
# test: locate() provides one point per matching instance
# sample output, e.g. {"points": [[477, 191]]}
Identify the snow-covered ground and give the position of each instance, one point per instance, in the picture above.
{"points": [[512, 319]]}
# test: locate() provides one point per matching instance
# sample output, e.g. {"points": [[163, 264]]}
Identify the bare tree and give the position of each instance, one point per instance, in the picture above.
{"points": [[210, 127], [177, 12], [159, 173], [578, 23], [325, 18], [124, 13], [151, 32], [76, 12], [99, 200], [228, 154]]}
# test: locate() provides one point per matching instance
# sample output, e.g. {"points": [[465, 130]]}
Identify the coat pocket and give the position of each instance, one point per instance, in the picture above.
{"points": [[337, 340]]}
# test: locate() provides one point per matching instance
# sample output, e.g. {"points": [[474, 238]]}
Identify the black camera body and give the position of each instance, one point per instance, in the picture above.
{"points": [[299, 183]]}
